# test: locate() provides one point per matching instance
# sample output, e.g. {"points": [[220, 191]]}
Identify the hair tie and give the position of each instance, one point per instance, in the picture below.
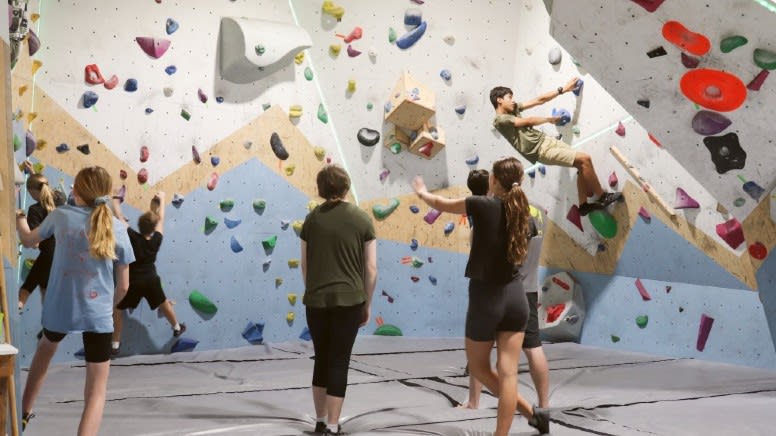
{"points": [[515, 184], [101, 200]]}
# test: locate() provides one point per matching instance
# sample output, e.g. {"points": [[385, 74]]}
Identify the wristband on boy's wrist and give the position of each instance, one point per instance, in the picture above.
{"points": [[560, 90]]}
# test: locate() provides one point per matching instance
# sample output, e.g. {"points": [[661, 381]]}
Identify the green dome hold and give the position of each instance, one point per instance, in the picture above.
{"points": [[388, 330], [201, 303]]}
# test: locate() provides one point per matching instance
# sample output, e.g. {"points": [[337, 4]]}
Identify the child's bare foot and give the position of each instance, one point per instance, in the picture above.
{"points": [[467, 405]]}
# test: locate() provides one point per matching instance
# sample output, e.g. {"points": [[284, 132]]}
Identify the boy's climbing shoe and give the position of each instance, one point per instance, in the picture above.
{"points": [[26, 417], [176, 333], [540, 420], [320, 428], [608, 198]]}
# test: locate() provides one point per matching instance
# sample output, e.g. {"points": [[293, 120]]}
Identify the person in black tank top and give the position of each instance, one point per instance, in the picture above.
{"points": [[498, 308]]}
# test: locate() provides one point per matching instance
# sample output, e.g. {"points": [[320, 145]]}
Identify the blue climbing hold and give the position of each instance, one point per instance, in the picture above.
{"points": [[414, 244], [170, 70], [565, 116], [230, 224], [531, 173], [90, 98], [414, 209], [219, 99], [148, 110], [387, 106], [542, 169], [171, 26], [61, 148], [433, 280], [234, 244], [305, 335], [183, 345], [410, 38], [578, 87], [254, 333], [460, 109], [445, 74], [473, 161], [215, 160], [130, 85], [449, 228], [412, 17]]}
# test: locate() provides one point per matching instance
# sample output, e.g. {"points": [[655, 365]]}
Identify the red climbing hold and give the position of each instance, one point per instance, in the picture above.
{"points": [[653, 139], [142, 176], [649, 5], [211, 184], [758, 250], [680, 36], [112, 82], [574, 217], [643, 291], [144, 153], [713, 89], [731, 232], [758, 81], [92, 75], [561, 283], [554, 311]]}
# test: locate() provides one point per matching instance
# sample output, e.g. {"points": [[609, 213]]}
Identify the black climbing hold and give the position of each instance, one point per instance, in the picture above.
{"points": [[726, 152], [277, 146], [660, 51], [368, 137], [643, 102], [84, 148]]}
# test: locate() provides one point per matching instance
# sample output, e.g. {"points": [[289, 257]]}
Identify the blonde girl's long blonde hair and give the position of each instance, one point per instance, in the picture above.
{"points": [[38, 182], [94, 185], [508, 173]]}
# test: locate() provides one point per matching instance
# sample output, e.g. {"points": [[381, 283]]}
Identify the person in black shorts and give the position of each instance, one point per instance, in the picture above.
{"points": [[144, 282], [46, 200], [498, 308]]}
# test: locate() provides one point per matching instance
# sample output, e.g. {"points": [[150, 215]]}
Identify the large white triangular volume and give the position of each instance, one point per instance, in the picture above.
{"points": [[251, 48]]}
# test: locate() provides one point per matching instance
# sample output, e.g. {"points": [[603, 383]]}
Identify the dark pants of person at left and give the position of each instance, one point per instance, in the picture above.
{"points": [[333, 331]]}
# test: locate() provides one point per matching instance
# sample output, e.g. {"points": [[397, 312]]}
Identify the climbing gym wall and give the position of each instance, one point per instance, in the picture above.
{"points": [[179, 118]]}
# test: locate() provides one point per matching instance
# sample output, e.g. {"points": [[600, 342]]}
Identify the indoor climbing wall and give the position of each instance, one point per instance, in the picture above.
{"points": [[694, 74]]}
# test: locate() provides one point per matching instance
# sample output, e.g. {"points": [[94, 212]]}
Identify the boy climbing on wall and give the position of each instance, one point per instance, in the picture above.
{"points": [[535, 146], [144, 282]]}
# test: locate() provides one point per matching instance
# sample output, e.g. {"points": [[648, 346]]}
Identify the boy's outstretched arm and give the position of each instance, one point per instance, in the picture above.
{"points": [[157, 206], [544, 98]]}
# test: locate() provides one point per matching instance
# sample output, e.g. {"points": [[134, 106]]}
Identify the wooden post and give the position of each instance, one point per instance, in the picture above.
{"points": [[654, 196]]}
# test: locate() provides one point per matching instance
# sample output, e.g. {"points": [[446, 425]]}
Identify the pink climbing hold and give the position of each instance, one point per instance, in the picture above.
{"points": [[202, 96], [684, 201], [642, 290], [613, 180], [352, 52], [731, 232], [154, 47], [211, 184], [620, 129], [432, 216], [355, 34], [142, 176], [758, 81], [649, 5], [644, 214], [575, 218], [144, 153], [112, 82], [703, 331]]}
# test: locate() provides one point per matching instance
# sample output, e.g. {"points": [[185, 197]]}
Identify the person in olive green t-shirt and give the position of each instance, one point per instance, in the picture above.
{"points": [[535, 146], [339, 269]]}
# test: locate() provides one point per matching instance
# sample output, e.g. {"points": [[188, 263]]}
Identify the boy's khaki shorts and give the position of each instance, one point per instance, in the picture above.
{"points": [[555, 152]]}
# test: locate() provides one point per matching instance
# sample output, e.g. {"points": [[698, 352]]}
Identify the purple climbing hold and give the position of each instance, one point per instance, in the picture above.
{"points": [[708, 123], [684, 201], [410, 38], [83, 148], [432, 216], [30, 143], [649, 5], [690, 61], [90, 98], [154, 47], [758, 81], [352, 52], [384, 173], [202, 96], [33, 42], [195, 155]]}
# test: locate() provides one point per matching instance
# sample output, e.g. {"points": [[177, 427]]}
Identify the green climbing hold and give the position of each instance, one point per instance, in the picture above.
{"points": [[308, 73], [381, 211], [260, 49], [765, 59], [17, 143], [369, 106], [575, 130], [210, 225], [322, 115], [269, 242], [186, 116], [388, 330], [391, 35], [201, 303], [266, 106], [615, 339], [731, 43], [604, 223], [642, 321], [738, 202], [226, 205], [259, 205], [278, 281], [395, 148], [416, 262]]}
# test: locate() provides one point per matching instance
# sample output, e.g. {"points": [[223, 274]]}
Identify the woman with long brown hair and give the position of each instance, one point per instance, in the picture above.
{"points": [[81, 288], [498, 307]]}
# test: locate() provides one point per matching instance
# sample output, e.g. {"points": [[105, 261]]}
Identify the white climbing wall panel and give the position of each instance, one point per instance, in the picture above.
{"points": [[611, 40]]}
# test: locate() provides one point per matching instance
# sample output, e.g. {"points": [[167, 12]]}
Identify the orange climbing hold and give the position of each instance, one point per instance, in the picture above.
{"points": [[713, 89], [682, 37]]}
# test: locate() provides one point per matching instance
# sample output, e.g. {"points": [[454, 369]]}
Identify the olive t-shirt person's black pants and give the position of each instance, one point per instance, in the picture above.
{"points": [[333, 331]]}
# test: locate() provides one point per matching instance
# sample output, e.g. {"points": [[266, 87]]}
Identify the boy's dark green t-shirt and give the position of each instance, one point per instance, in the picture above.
{"points": [[526, 140], [335, 235]]}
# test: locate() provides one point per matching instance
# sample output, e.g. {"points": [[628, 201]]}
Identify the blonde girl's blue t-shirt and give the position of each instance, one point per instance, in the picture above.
{"points": [[79, 297]]}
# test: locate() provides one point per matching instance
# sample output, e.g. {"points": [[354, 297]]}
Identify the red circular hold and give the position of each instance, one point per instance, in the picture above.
{"points": [[758, 251], [680, 36], [713, 89]]}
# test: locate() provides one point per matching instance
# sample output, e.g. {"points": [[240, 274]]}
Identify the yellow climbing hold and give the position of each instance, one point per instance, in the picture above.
{"points": [[335, 11], [36, 64], [290, 169], [335, 49], [295, 111], [34, 17], [312, 204], [290, 317], [351, 85], [299, 58], [37, 166], [31, 116], [22, 90], [40, 145], [320, 152], [292, 299], [293, 263], [297, 226]]}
